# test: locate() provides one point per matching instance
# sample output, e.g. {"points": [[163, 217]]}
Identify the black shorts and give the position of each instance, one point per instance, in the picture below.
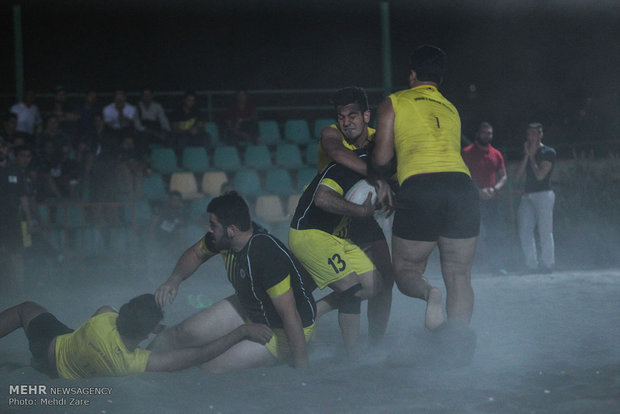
{"points": [[441, 204], [366, 230], [40, 333]]}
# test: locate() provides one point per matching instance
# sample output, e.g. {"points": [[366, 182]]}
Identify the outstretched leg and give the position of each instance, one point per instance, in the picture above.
{"points": [[410, 258], [19, 316]]}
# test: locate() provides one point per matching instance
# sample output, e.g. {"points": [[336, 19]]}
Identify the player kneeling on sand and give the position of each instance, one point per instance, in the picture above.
{"points": [[106, 345]]}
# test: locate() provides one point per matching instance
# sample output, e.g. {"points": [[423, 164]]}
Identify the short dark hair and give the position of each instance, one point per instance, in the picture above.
{"points": [[484, 125], [231, 209], [138, 317], [349, 95], [535, 125], [429, 63]]}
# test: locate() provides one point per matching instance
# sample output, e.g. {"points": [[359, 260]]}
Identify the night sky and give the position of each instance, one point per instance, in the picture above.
{"points": [[547, 53]]}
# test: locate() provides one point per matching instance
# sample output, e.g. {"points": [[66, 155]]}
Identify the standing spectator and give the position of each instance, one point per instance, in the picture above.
{"points": [[241, 120], [187, 127], [488, 170], [536, 206], [119, 115], [151, 120], [13, 198], [28, 116]]}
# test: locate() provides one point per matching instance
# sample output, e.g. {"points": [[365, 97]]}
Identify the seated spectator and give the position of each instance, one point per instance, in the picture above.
{"points": [[119, 115], [9, 126], [151, 120], [130, 169], [167, 222], [28, 115], [187, 126], [58, 173], [86, 112], [241, 120], [52, 132], [59, 108]]}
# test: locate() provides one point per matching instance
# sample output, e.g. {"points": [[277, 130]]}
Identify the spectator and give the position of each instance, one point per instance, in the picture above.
{"points": [[151, 120], [52, 132], [28, 116], [130, 169], [167, 223], [187, 127], [86, 112], [9, 127], [66, 116], [119, 115], [488, 170], [58, 173], [241, 120]]}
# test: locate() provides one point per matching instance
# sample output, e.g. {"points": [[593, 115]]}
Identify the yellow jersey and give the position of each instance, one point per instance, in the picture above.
{"points": [[95, 349], [427, 133], [324, 159]]}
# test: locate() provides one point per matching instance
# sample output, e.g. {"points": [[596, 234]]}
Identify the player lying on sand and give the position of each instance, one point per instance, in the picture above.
{"points": [[107, 343]]}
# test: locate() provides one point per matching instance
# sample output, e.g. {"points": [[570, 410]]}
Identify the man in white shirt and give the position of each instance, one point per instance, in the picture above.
{"points": [[28, 116], [119, 114]]}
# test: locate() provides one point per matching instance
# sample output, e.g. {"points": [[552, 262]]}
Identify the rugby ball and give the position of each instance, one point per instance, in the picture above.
{"points": [[358, 193]]}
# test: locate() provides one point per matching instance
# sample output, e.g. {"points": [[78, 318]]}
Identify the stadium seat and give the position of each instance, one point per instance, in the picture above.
{"points": [[198, 207], [226, 158], [247, 183], [163, 160], [269, 132], [153, 187], [312, 154], [297, 131], [258, 157], [288, 156], [278, 181], [141, 212], [185, 183], [212, 182], [195, 159], [291, 204], [214, 133], [321, 123], [304, 176], [269, 209]]}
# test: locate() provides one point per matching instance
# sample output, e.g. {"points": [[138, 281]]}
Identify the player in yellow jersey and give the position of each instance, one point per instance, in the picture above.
{"points": [[106, 345], [437, 204], [338, 143]]}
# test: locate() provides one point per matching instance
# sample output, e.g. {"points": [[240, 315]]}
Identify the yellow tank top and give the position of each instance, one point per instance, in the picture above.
{"points": [[427, 133], [95, 349], [324, 159]]}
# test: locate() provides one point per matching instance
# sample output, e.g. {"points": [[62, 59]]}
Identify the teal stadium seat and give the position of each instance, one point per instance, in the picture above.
{"points": [[321, 123], [141, 210], [312, 154], [278, 181], [247, 183], [304, 176], [198, 208], [269, 132], [195, 159], [153, 187], [212, 129], [288, 156], [297, 131], [226, 158], [258, 157], [163, 160]]}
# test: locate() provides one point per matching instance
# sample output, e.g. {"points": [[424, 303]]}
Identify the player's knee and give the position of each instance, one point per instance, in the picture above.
{"points": [[350, 302]]}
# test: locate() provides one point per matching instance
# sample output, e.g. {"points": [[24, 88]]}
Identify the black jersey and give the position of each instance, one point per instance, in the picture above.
{"points": [[261, 268], [532, 184], [309, 216]]}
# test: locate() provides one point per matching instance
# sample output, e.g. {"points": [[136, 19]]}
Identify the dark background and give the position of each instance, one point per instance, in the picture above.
{"points": [[529, 60]]}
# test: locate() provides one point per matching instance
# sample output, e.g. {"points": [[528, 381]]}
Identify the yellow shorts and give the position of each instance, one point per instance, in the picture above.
{"points": [[326, 257], [278, 344]]}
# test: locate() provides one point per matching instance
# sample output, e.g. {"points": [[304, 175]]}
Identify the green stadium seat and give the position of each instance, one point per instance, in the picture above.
{"points": [[163, 160], [278, 181], [304, 177], [212, 129], [297, 131], [153, 187], [247, 183], [195, 159], [321, 123], [288, 156], [312, 154], [226, 158], [258, 157], [198, 208], [269, 132]]}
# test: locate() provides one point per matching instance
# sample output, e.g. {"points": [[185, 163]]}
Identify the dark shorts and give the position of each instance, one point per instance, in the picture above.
{"points": [[432, 205], [11, 240], [363, 231], [40, 333]]}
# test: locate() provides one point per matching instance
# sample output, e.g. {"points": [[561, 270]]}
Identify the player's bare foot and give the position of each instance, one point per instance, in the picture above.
{"points": [[434, 309]]}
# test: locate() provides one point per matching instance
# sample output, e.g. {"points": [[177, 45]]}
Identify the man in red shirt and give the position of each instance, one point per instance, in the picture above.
{"points": [[488, 171]]}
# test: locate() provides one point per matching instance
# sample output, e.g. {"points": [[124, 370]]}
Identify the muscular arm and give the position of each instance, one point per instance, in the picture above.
{"points": [[502, 178], [383, 152], [191, 260], [286, 308], [331, 141], [332, 202], [184, 358]]}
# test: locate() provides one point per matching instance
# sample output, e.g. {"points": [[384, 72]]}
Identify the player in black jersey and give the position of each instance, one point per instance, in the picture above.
{"points": [[271, 287]]}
